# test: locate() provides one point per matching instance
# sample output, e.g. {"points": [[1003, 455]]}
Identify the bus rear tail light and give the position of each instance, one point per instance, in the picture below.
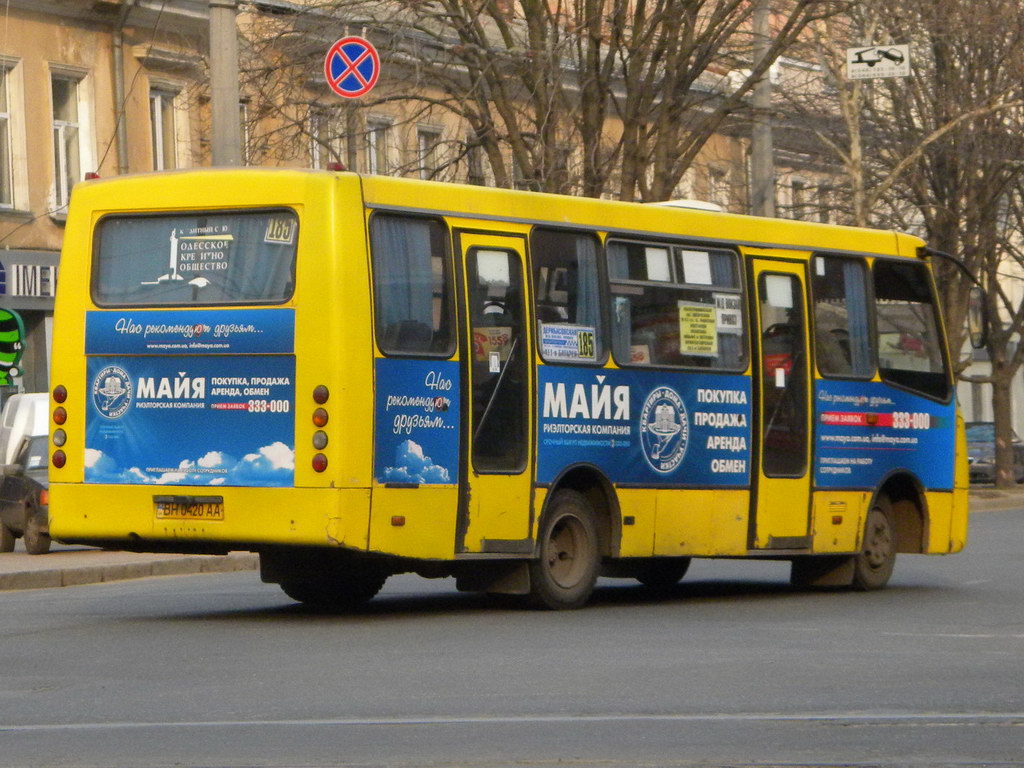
{"points": [[60, 437], [44, 498], [320, 417]]}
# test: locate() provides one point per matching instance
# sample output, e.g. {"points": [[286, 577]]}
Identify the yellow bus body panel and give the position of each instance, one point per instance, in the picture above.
{"points": [[302, 516], [837, 520], [699, 522]]}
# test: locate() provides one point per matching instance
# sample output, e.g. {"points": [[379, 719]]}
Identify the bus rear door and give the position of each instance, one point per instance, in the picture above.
{"points": [[780, 517], [495, 477]]}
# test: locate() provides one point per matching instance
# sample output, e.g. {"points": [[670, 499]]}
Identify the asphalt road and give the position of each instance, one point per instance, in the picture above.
{"points": [[735, 668]]}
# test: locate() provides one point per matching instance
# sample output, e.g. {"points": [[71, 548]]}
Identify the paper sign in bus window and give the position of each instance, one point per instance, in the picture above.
{"points": [[564, 341], [488, 339], [729, 312], [657, 264], [696, 267], [698, 329]]}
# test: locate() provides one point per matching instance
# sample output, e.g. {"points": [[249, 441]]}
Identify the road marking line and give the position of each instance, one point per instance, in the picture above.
{"points": [[966, 718]]}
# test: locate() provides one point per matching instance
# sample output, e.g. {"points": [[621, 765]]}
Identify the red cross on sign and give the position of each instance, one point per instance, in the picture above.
{"points": [[352, 67]]}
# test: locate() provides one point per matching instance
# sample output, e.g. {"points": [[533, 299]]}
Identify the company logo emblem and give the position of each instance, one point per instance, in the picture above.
{"points": [[664, 429], [112, 392]]}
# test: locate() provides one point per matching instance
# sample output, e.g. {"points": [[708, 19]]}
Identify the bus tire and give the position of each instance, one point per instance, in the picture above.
{"points": [[6, 539], [36, 542], [873, 566], [342, 595], [661, 574], [563, 575]]}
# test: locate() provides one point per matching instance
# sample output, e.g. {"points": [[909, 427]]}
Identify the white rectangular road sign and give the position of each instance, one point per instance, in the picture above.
{"points": [[869, 62]]}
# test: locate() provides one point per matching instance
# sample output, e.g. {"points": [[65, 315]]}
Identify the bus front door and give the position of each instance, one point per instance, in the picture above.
{"points": [[494, 507], [780, 502]]}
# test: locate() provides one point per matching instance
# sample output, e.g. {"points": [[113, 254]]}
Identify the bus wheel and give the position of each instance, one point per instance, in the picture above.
{"points": [[342, 595], [661, 574], [563, 576], [873, 566], [6, 539], [36, 542]]}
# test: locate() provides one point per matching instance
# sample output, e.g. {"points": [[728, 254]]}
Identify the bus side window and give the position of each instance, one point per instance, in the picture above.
{"points": [[567, 296], [909, 345], [676, 306], [412, 286], [842, 339]]}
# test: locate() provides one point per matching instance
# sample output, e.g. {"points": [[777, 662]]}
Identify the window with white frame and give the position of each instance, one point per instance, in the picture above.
{"points": [[378, 138], [163, 129], [67, 156], [428, 141], [326, 140], [6, 141]]}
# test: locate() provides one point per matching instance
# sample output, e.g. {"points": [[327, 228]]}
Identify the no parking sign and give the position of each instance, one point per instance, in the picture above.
{"points": [[352, 67]]}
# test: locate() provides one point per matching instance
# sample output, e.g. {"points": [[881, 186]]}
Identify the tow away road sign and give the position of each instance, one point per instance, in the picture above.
{"points": [[870, 62], [352, 67]]}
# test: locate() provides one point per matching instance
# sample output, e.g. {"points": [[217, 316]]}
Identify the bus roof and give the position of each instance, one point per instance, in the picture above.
{"points": [[241, 187]]}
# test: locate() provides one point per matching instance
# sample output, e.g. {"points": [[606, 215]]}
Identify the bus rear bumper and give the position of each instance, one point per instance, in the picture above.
{"points": [[208, 519]]}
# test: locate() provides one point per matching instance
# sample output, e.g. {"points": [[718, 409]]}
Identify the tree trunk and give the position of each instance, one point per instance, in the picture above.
{"points": [[1002, 414]]}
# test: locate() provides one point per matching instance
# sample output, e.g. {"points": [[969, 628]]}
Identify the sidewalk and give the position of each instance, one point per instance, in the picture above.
{"points": [[67, 566], [71, 566]]}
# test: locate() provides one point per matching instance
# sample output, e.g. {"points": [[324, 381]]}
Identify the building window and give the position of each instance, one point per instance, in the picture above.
{"points": [[474, 161], [164, 143], [718, 186], [378, 141], [66, 140], [427, 143], [6, 158], [243, 118], [799, 198], [326, 140]]}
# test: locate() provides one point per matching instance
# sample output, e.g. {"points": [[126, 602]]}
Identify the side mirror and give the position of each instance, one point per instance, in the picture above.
{"points": [[977, 318], [11, 470]]}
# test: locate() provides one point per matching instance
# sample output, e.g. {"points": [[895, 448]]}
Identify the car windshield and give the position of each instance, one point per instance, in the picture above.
{"points": [[33, 452], [984, 432], [977, 433]]}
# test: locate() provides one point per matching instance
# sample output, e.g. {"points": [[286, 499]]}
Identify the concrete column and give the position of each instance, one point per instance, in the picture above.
{"points": [[227, 129]]}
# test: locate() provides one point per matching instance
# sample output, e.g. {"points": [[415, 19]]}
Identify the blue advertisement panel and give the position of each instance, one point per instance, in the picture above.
{"points": [[417, 422], [639, 426], [196, 420], [867, 429], [190, 332]]}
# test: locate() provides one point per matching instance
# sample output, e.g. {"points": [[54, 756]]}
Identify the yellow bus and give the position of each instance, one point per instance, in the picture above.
{"points": [[363, 376]]}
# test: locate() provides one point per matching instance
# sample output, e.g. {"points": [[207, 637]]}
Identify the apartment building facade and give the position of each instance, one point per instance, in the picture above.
{"points": [[122, 86]]}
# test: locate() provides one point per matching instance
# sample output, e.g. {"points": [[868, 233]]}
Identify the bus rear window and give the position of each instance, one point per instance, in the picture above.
{"points": [[195, 259]]}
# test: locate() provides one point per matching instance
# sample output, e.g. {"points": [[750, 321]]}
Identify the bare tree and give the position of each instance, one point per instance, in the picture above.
{"points": [[937, 152], [588, 96]]}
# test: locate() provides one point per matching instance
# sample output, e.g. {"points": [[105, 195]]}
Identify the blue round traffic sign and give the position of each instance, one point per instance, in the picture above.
{"points": [[352, 67]]}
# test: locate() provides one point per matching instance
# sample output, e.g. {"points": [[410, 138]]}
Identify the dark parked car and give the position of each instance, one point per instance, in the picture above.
{"points": [[981, 453], [24, 498]]}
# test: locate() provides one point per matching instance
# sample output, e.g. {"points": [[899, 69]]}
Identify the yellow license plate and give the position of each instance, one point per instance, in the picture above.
{"points": [[189, 507]]}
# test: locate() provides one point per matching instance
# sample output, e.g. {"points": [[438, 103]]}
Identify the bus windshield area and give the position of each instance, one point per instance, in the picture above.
{"points": [[195, 259]]}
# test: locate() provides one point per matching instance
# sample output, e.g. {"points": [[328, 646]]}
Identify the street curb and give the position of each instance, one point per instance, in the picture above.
{"points": [[97, 574]]}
